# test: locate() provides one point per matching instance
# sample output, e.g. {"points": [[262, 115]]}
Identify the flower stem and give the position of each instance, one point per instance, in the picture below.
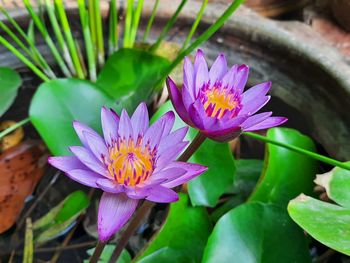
{"points": [[147, 206], [98, 251], [130, 230], [299, 150], [192, 148]]}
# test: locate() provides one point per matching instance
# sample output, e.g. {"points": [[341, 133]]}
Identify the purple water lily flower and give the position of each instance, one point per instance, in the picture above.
{"points": [[213, 100], [132, 161]]}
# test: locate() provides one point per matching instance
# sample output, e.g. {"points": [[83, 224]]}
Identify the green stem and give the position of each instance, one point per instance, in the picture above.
{"points": [[150, 21], [26, 61], [14, 127], [195, 24], [47, 38], [113, 27], [99, 34], [168, 26], [135, 23], [59, 36], [128, 20], [70, 41], [299, 150], [84, 19]]}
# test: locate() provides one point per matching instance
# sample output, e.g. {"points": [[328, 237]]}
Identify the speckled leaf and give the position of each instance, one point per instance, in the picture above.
{"points": [[327, 223]]}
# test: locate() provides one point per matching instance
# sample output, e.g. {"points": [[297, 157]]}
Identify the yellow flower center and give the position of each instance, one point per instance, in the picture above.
{"points": [[130, 163], [218, 101]]}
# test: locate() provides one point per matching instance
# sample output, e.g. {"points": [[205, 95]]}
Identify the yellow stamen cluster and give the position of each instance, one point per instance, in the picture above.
{"points": [[130, 163], [220, 100]]}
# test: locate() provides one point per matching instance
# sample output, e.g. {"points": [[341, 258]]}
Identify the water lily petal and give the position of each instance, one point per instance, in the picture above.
{"points": [[255, 119], [218, 69], [125, 128], [268, 123], [191, 170], [109, 121], [140, 120], [172, 139], [202, 77], [254, 106], [255, 92], [97, 145], [80, 128], [109, 186], [189, 76], [113, 212], [176, 99], [66, 163], [84, 177], [229, 78], [87, 158], [169, 155], [241, 78], [161, 194]]}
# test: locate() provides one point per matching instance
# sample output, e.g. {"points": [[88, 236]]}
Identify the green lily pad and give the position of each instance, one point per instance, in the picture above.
{"points": [[183, 236], [10, 81], [131, 75], [286, 174], [327, 223], [256, 232]]}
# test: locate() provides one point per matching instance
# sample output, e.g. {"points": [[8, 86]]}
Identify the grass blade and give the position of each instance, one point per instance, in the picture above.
{"points": [[47, 39], [113, 27], [90, 53], [195, 24], [168, 26], [21, 57], [99, 34], [59, 36], [128, 21], [150, 21], [28, 243], [70, 41], [135, 22], [92, 21], [41, 61]]}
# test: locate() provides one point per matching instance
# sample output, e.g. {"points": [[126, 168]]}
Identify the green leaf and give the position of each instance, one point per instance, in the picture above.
{"points": [[60, 217], [130, 75], [58, 102], [286, 174], [336, 183], [327, 223], [247, 175], [256, 232], [206, 189], [107, 253], [183, 236], [10, 81]]}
